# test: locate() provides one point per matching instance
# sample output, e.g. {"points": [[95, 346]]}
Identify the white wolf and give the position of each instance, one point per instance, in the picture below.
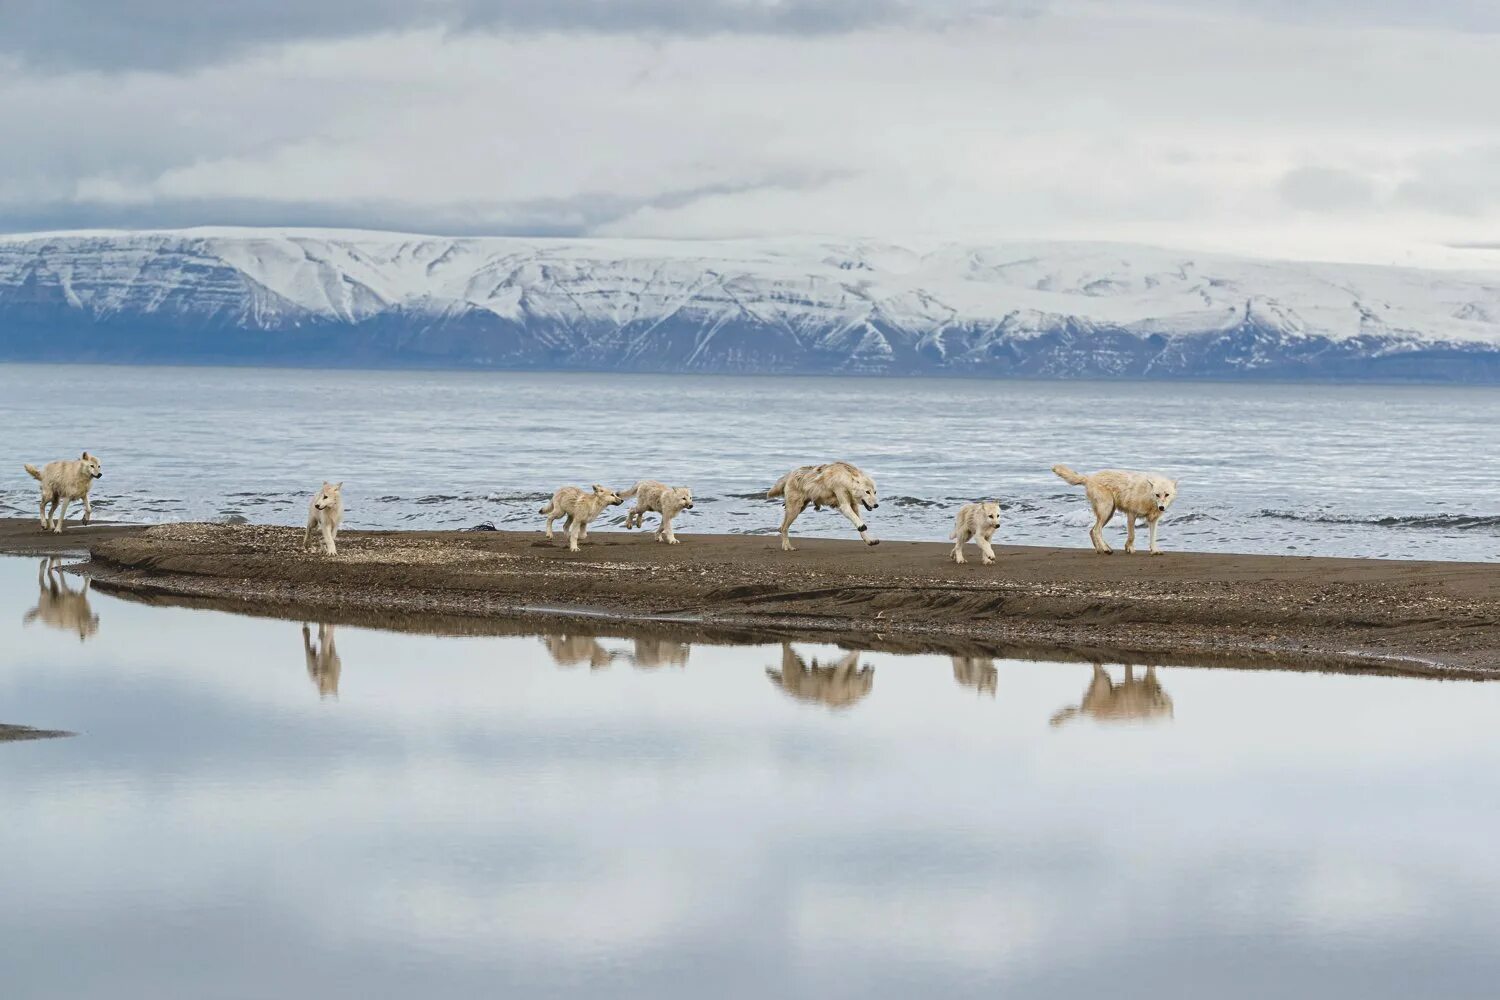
{"points": [[325, 513], [1136, 494], [668, 501], [837, 484], [62, 483], [579, 507], [977, 521]]}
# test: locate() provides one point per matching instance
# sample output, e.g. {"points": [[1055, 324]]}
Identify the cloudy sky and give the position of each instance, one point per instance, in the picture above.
{"points": [[1357, 129]]}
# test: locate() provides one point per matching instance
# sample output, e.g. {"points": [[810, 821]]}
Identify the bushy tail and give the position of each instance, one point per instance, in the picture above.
{"points": [[628, 494], [35, 472], [779, 489], [1068, 474], [547, 509]]}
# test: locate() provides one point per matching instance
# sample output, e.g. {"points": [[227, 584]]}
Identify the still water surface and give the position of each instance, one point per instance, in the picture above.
{"points": [[248, 811], [1360, 470]]}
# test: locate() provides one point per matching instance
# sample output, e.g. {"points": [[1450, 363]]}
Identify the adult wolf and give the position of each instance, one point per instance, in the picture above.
{"points": [[837, 484], [62, 483], [1135, 494]]}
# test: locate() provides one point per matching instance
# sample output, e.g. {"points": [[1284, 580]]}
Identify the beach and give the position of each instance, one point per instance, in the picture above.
{"points": [[1406, 616]]}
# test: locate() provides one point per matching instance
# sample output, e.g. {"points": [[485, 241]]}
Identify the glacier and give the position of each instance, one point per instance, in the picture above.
{"points": [[1014, 308]]}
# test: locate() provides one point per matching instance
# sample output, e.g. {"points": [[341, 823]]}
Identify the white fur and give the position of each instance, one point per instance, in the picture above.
{"points": [[977, 521], [668, 501], [62, 483], [1135, 494], [579, 507], [837, 484], [325, 513]]}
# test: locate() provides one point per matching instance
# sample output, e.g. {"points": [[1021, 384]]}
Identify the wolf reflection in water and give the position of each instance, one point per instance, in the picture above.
{"points": [[60, 606], [323, 663], [1131, 699]]}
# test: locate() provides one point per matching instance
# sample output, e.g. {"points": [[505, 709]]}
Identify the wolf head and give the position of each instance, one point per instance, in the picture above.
{"points": [[990, 512], [327, 496], [684, 497], [1163, 492], [91, 466], [610, 497], [865, 490]]}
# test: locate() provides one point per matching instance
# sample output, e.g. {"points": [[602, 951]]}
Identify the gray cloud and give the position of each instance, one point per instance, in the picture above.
{"points": [[573, 216], [1322, 189], [174, 34]]}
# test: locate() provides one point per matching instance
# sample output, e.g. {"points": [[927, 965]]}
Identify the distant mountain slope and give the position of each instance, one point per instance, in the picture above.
{"points": [[1036, 309]]}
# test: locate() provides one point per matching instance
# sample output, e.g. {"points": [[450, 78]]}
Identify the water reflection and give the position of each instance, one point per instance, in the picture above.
{"points": [[577, 651], [977, 672], [323, 663], [651, 653], [840, 685], [58, 605], [1134, 698]]}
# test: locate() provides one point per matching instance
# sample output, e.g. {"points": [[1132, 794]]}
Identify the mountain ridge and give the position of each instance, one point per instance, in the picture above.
{"points": [[1017, 308]]}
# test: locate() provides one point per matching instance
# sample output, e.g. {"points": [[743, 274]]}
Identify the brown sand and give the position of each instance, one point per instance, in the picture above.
{"points": [[1423, 617]]}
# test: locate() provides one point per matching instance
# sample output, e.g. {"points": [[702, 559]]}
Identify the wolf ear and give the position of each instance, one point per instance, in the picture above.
{"points": [[85, 456], [338, 485]]}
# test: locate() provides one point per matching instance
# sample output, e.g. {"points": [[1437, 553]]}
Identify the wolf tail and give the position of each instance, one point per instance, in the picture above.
{"points": [[547, 509], [1068, 474], [34, 471], [779, 489], [628, 494]]}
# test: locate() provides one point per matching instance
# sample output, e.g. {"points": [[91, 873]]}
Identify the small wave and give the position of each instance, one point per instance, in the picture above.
{"points": [[912, 502], [1440, 522]]}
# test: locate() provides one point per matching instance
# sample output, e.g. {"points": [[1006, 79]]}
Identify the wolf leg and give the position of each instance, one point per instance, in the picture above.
{"points": [[794, 507], [1129, 533], [859, 524], [1104, 509]]}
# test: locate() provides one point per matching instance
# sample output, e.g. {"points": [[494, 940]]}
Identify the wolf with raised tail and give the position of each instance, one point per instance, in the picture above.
{"points": [[837, 484], [1135, 494], [62, 483]]}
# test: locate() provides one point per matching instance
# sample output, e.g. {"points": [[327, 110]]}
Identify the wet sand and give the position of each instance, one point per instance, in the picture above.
{"points": [[1406, 616]]}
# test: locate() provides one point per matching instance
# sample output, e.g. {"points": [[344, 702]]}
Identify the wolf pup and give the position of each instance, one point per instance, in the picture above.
{"points": [[579, 507], [837, 484], [62, 483], [1135, 494], [977, 521], [325, 514], [668, 501]]}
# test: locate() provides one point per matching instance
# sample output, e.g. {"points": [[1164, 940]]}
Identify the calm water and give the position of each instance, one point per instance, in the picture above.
{"points": [[246, 813], [1333, 470]]}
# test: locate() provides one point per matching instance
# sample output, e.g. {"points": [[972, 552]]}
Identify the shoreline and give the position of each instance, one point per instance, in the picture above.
{"points": [[1410, 617]]}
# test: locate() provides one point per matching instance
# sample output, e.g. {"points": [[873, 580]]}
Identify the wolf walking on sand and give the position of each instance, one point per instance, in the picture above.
{"points": [[325, 514], [977, 521], [62, 483], [837, 484], [1135, 494], [579, 507], [668, 501]]}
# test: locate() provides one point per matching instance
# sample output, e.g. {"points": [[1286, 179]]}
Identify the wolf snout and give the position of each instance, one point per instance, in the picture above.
{"points": [[868, 505]]}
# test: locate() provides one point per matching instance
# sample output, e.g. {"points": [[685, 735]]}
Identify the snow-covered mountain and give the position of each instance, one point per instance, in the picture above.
{"points": [[1035, 309]]}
